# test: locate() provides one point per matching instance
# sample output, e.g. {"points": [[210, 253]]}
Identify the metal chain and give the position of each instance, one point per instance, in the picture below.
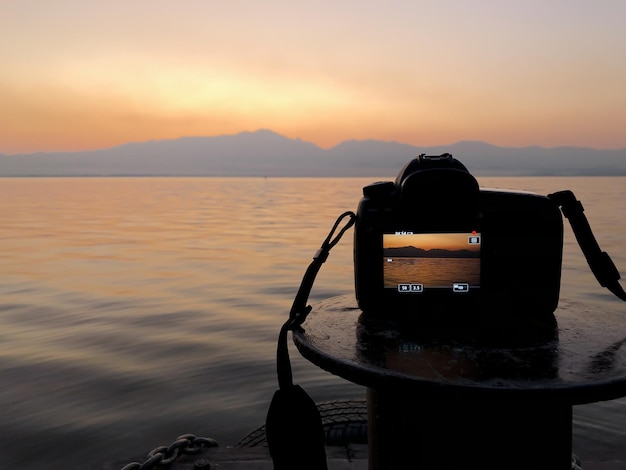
{"points": [[164, 456], [576, 463]]}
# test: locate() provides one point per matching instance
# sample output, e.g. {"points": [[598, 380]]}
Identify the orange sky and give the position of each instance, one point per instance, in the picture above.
{"points": [[445, 241], [82, 75]]}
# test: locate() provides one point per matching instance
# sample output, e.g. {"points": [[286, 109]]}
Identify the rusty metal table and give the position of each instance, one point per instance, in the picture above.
{"points": [[439, 403]]}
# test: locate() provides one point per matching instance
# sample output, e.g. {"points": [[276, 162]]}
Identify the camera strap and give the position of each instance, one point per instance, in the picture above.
{"points": [[293, 426], [599, 261]]}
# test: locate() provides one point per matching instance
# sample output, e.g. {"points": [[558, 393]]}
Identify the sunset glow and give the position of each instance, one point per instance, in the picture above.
{"points": [[85, 75], [426, 241]]}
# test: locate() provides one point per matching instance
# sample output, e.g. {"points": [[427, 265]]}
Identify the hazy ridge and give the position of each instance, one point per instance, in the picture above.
{"points": [[414, 252], [266, 153]]}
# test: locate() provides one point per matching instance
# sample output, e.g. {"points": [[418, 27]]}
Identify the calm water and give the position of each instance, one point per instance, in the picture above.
{"points": [[136, 309], [431, 272]]}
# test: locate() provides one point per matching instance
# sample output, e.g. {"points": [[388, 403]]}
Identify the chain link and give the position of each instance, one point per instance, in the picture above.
{"points": [[163, 456], [576, 463]]}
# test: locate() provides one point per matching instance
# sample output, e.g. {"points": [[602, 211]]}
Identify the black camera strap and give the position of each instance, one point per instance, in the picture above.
{"points": [[599, 261], [293, 426]]}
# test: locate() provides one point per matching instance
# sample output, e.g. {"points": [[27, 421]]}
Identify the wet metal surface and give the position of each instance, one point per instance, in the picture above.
{"points": [[582, 360]]}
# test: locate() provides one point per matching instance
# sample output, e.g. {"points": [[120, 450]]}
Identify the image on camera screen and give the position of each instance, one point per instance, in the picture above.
{"points": [[414, 262]]}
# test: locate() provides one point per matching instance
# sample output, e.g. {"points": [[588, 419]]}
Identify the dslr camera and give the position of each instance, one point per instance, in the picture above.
{"points": [[433, 245]]}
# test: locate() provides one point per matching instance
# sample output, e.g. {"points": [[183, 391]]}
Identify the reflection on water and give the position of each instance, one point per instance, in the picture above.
{"points": [[431, 272], [136, 309]]}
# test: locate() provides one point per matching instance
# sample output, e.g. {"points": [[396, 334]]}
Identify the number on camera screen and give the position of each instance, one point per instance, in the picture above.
{"points": [[414, 262]]}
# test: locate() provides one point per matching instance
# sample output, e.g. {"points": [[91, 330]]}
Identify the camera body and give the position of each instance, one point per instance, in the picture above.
{"points": [[433, 245]]}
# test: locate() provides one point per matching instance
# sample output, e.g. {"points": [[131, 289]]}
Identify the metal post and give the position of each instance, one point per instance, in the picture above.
{"points": [[467, 433]]}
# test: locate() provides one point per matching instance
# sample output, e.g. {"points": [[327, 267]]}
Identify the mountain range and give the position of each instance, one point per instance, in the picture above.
{"points": [[414, 252], [266, 153]]}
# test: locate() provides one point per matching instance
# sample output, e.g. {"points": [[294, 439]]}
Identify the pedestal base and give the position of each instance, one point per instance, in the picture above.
{"points": [[410, 432], [438, 403]]}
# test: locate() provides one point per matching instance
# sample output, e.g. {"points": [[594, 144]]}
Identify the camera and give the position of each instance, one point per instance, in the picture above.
{"points": [[434, 245]]}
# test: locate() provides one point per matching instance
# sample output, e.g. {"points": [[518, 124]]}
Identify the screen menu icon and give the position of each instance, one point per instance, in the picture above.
{"points": [[410, 288], [473, 240]]}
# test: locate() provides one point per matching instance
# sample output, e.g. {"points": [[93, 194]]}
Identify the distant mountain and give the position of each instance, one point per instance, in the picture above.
{"points": [[414, 252], [265, 153]]}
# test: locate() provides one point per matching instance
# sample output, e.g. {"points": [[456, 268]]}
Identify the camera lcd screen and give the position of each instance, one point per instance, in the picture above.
{"points": [[417, 262]]}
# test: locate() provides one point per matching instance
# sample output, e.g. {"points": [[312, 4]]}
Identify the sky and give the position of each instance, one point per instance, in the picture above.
{"points": [[81, 74], [445, 241]]}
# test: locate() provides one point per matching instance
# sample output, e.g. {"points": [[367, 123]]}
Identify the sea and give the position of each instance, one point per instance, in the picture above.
{"points": [[133, 310]]}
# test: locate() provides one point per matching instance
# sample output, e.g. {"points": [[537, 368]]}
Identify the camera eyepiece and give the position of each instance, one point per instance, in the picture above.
{"points": [[438, 184]]}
